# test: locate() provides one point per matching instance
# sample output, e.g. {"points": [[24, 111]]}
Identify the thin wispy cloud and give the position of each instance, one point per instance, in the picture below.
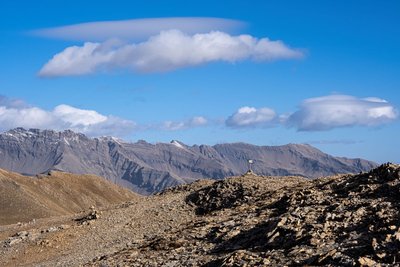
{"points": [[334, 111], [250, 117], [12, 102], [138, 29], [194, 122], [335, 142], [164, 52]]}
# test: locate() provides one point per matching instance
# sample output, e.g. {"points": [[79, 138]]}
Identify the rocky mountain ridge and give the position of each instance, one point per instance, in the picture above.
{"points": [[147, 168]]}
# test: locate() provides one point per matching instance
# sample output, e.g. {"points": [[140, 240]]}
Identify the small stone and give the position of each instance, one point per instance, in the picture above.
{"points": [[64, 226], [234, 232], [14, 241], [374, 243], [364, 261], [22, 234], [397, 235], [388, 237], [282, 221], [52, 229], [381, 255]]}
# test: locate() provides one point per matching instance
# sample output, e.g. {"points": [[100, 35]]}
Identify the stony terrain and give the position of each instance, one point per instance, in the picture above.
{"points": [[147, 168], [346, 220]]}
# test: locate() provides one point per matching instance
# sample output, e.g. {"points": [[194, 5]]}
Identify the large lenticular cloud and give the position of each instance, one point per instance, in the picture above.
{"points": [[138, 29], [328, 112], [164, 52]]}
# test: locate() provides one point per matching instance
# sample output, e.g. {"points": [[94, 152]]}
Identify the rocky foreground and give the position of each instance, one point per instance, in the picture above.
{"points": [[348, 220]]}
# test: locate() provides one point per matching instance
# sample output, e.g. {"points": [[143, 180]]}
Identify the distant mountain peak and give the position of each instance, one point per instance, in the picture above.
{"points": [[147, 168], [111, 139], [177, 144]]}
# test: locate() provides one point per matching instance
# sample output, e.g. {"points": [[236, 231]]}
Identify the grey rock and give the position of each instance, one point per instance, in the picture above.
{"points": [[148, 168]]}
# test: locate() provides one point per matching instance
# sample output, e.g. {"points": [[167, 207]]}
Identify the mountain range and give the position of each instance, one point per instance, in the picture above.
{"points": [[148, 168]]}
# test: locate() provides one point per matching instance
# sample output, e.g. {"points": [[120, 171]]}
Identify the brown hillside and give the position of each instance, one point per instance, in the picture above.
{"points": [[24, 198]]}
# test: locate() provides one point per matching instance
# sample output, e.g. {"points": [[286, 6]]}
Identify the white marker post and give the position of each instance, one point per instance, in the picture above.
{"points": [[250, 161]]}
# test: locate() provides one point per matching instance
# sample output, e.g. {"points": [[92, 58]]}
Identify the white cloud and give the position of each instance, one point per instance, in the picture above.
{"points": [[167, 51], [328, 112], [251, 117], [76, 116], [198, 121], [137, 29], [30, 117], [183, 125], [63, 117], [76, 60]]}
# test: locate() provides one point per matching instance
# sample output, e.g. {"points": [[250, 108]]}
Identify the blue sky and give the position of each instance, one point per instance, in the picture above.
{"points": [[332, 80]]}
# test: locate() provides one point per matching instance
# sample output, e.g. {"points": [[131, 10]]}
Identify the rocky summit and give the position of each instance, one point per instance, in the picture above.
{"points": [[148, 168], [343, 220]]}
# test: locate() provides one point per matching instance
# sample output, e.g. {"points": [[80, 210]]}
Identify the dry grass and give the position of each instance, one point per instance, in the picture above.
{"points": [[24, 198]]}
